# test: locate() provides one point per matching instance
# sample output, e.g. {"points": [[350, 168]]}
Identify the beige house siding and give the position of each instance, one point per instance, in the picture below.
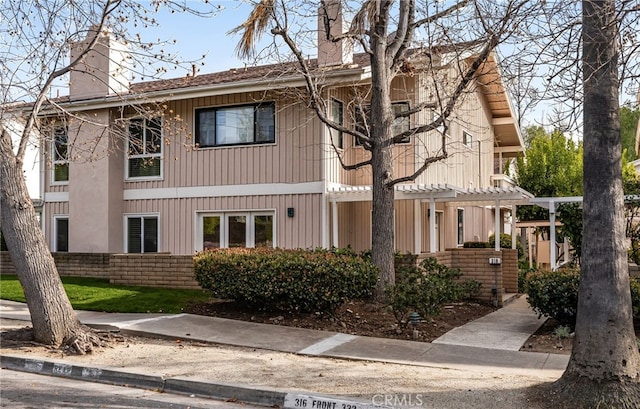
{"points": [[295, 156], [467, 166], [293, 172], [354, 225], [178, 218], [402, 90]]}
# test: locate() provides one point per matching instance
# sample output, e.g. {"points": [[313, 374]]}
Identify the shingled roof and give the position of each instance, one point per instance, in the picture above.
{"points": [[247, 73]]}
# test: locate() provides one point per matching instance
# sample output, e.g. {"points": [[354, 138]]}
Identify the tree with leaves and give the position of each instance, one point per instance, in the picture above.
{"points": [[552, 167], [390, 33], [36, 56]]}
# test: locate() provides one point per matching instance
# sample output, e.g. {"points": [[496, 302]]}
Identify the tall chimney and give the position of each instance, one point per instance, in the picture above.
{"points": [[102, 71], [331, 25]]}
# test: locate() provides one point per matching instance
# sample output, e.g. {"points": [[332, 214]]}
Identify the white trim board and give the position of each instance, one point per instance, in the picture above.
{"points": [[225, 191], [50, 197]]}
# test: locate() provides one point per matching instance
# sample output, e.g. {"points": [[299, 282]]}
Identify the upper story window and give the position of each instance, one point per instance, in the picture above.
{"points": [[144, 149], [467, 138], [400, 125], [237, 125], [60, 154], [336, 115]]}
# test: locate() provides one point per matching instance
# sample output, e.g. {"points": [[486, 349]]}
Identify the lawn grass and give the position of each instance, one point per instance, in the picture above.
{"points": [[96, 294]]}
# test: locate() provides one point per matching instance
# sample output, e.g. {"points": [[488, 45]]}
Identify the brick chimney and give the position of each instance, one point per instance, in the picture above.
{"points": [[102, 71], [332, 53]]}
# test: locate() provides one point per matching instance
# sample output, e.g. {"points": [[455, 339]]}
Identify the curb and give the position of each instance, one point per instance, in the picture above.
{"points": [[263, 396]]}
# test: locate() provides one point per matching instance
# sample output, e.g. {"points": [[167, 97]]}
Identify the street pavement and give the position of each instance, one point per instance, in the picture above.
{"points": [[492, 342], [23, 390]]}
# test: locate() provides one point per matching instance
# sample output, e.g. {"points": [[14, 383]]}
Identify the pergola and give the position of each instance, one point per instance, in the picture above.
{"points": [[432, 194], [550, 204]]}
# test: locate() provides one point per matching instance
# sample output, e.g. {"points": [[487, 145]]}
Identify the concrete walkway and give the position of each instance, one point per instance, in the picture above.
{"points": [[506, 329], [481, 348], [491, 341]]}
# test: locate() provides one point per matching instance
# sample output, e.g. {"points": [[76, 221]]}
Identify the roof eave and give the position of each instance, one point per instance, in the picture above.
{"points": [[357, 74]]}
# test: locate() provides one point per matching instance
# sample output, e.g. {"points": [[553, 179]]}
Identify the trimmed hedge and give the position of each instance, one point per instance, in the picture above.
{"points": [[476, 245], [555, 294], [286, 280]]}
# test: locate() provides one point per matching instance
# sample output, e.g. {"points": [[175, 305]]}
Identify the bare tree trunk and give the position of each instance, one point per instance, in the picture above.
{"points": [[604, 369], [53, 319], [382, 224], [382, 246]]}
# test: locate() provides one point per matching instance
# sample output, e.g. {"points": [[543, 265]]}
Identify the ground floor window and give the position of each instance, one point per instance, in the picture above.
{"points": [[61, 233], [142, 234], [235, 229]]}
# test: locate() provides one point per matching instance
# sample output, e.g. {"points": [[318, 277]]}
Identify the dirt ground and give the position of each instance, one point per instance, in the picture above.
{"points": [[355, 317], [399, 385]]}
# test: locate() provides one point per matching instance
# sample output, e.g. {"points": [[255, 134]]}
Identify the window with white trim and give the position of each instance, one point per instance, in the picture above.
{"points": [[460, 227], [400, 125], [60, 154], [236, 125], [336, 115], [144, 149], [61, 233], [440, 128], [142, 233], [467, 138], [235, 229]]}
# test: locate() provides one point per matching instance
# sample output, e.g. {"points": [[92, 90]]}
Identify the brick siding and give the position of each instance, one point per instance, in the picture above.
{"points": [[153, 270], [474, 264], [148, 270], [176, 271]]}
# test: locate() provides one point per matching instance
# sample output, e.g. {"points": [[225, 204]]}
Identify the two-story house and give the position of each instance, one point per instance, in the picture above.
{"points": [[236, 159]]}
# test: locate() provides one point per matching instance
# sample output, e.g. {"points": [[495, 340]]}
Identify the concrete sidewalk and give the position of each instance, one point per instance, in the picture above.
{"points": [[506, 329], [491, 341], [483, 349]]}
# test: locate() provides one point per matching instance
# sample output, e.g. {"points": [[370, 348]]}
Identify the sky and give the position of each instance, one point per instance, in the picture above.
{"points": [[198, 36]]}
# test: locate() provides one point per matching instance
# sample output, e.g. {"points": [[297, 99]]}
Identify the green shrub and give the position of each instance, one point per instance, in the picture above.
{"points": [[425, 288], [476, 245], [554, 294], [523, 274], [287, 280], [505, 243]]}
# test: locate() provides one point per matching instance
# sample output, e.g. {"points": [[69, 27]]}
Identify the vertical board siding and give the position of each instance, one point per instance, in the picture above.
{"points": [[466, 166], [178, 218], [294, 158], [402, 89], [404, 226], [354, 225]]}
